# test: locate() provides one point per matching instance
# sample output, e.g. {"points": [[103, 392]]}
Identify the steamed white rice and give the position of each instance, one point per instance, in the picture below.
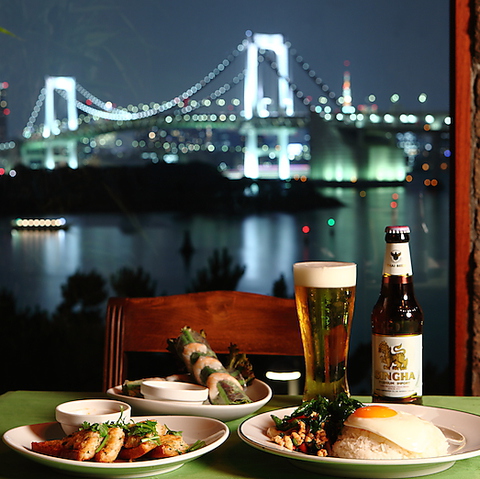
{"points": [[355, 443]]}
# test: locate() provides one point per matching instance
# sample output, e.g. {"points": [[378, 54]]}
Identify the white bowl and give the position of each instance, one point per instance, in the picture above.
{"points": [[174, 391], [71, 415]]}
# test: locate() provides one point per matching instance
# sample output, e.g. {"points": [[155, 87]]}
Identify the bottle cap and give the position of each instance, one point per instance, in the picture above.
{"points": [[397, 229]]}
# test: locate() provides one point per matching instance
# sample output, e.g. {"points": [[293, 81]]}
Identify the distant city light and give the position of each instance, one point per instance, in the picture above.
{"points": [[395, 98], [422, 98], [170, 158]]}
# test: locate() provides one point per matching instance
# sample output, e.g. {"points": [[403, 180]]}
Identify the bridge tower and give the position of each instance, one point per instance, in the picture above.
{"points": [[68, 85], [256, 103]]}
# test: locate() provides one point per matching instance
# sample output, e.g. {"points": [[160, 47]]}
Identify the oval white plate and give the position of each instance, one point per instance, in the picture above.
{"points": [[212, 431], [460, 428], [259, 392]]}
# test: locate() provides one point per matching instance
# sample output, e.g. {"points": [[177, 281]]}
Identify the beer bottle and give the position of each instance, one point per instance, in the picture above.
{"points": [[397, 325]]}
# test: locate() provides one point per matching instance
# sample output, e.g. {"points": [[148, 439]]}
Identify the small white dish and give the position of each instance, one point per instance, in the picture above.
{"points": [[186, 393], [212, 432], [71, 415], [259, 392], [460, 428]]}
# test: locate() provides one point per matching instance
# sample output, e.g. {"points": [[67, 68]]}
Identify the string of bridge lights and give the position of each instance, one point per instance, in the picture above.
{"points": [[219, 92], [311, 73]]}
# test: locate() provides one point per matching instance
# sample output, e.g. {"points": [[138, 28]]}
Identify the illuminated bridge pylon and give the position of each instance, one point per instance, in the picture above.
{"points": [[68, 85], [256, 101]]}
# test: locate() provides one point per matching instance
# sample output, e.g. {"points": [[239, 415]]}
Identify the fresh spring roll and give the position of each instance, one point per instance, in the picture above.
{"points": [[225, 389], [190, 346], [203, 363]]}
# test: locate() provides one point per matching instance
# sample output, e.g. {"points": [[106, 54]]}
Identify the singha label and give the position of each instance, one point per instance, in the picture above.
{"points": [[397, 365]]}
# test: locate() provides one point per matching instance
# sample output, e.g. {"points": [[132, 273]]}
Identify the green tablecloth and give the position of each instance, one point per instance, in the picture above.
{"points": [[234, 459]]}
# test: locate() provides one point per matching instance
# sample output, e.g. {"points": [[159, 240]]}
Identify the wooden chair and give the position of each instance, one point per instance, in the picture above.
{"points": [[258, 324]]}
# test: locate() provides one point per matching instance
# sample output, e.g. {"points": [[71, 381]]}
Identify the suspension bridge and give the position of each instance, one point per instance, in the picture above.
{"points": [[275, 126]]}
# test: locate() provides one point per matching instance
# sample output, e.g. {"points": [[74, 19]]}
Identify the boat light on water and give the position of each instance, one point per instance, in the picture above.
{"points": [[48, 224]]}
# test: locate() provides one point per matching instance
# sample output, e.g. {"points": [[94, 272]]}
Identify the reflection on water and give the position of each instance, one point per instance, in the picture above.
{"points": [[36, 264]]}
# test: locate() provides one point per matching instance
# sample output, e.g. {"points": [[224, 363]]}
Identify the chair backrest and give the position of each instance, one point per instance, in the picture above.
{"points": [[257, 324]]}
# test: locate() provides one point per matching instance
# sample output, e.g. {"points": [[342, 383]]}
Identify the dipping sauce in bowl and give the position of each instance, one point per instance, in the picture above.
{"points": [[71, 415], [174, 391]]}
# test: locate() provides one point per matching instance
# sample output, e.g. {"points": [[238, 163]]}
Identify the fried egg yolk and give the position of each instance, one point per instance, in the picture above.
{"points": [[374, 411], [406, 430]]}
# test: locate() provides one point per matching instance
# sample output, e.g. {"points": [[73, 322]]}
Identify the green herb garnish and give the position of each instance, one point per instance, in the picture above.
{"points": [[173, 433], [196, 445], [146, 429]]}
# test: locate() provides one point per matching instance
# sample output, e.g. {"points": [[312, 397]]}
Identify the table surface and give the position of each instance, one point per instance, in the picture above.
{"points": [[233, 459]]}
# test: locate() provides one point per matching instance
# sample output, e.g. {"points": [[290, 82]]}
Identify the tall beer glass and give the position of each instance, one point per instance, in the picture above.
{"points": [[325, 297]]}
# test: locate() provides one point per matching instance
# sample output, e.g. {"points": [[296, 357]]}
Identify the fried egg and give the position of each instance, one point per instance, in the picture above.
{"points": [[405, 430]]}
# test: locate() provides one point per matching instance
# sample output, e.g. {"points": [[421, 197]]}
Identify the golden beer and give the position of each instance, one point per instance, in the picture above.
{"points": [[325, 298]]}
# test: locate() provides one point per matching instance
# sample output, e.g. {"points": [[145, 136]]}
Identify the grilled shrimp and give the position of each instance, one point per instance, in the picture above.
{"points": [[81, 445], [171, 446], [136, 446], [112, 447]]}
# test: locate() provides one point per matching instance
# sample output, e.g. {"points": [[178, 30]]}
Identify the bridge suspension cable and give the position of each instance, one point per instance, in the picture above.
{"points": [[310, 72], [108, 111]]}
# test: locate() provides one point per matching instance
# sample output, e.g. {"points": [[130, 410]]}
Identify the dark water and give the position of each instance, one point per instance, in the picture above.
{"points": [[36, 264]]}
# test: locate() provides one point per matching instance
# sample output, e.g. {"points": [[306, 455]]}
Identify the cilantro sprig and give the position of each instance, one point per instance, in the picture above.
{"points": [[147, 430], [196, 445]]}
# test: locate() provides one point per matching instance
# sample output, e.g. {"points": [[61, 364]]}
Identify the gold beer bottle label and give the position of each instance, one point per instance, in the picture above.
{"points": [[397, 366]]}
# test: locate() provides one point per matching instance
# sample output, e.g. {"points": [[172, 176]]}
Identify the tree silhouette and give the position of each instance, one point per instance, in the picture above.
{"points": [[220, 274], [83, 296], [280, 287], [129, 283]]}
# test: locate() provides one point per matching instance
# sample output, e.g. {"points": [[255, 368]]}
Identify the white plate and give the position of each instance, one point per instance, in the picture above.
{"points": [[461, 429], [212, 431], [259, 392]]}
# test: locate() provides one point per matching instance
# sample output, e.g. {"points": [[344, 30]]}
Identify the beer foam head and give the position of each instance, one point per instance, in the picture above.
{"points": [[325, 274]]}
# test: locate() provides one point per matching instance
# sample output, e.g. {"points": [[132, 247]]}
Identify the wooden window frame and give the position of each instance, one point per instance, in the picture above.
{"points": [[461, 191]]}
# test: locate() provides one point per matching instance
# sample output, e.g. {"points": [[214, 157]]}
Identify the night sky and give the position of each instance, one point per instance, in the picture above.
{"points": [[152, 50]]}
